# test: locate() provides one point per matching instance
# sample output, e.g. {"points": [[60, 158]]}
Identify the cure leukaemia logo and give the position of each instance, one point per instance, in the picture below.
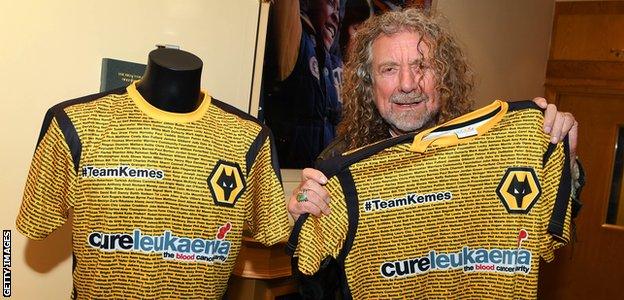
{"points": [[171, 247], [507, 261]]}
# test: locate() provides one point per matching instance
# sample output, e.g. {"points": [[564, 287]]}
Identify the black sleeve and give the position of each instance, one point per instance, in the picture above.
{"points": [[323, 285]]}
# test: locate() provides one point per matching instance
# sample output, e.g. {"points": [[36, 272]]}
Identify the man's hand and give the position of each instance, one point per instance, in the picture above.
{"points": [[316, 196], [558, 124]]}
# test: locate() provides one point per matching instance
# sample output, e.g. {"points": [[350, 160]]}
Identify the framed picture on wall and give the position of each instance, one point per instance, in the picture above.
{"points": [[302, 71]]}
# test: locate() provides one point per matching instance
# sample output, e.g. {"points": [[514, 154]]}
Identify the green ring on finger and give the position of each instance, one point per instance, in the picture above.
{"points": [[302, 195]]}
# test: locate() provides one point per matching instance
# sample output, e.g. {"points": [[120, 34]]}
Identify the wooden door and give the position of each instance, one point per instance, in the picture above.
{"points": [[593, 266], [588, 31]]}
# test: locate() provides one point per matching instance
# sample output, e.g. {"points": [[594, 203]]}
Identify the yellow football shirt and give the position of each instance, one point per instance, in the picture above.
{"points": [[159, 199], [462, 210]]}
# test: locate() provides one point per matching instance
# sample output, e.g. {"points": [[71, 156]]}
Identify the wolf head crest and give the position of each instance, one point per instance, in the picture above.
{"points": [[519, 190], [226, 183]]}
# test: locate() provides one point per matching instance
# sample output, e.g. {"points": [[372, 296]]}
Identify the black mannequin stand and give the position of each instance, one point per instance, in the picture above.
{"points": [[172, 80]]}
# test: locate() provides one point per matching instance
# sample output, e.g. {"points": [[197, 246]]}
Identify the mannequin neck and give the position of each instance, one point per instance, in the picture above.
{"points": [[172, 80]]}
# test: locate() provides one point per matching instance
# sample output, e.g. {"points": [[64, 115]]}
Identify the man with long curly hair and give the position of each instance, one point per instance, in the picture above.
{"points": [[404, 73]]}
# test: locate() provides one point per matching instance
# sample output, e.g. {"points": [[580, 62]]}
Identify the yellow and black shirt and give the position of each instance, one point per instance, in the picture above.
{"points": [[462, 210], [159, 199]]}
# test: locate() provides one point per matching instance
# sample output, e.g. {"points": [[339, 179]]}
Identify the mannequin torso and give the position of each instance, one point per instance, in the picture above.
{"points": [[172, 80]]}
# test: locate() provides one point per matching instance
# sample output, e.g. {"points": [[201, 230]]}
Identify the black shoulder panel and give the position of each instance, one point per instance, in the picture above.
{"points": [[255, 147], [555, 226], [334, 165], [69, 131], [59, 107], [293, 240], [549, 151], [233, 110], [524, 104], [353, 217], [335, 148], [352, 199]]}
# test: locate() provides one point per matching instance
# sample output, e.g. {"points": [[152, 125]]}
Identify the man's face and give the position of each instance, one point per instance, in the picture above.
{"points": [[403, 82], [325, 19]]}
